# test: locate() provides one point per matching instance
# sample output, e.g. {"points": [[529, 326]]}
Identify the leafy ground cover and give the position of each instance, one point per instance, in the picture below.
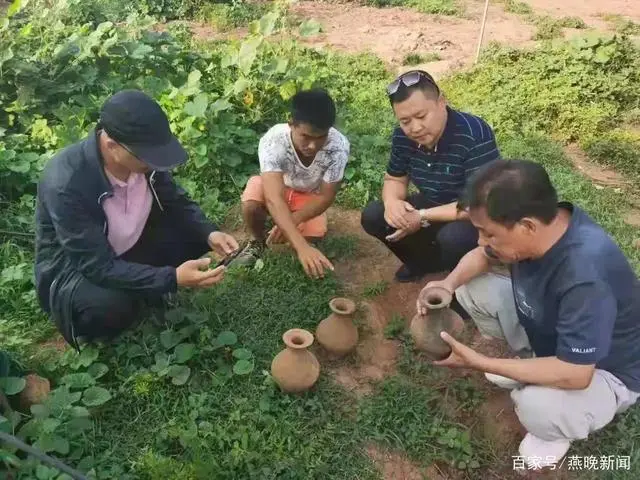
{"points": [[188, 395]]}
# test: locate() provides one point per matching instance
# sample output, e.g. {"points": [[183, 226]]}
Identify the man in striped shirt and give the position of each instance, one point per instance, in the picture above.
{"points": [[436, 148]]}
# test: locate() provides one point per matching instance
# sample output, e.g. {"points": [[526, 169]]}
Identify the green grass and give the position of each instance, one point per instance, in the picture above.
{"points": [[416, 58], [222, 424], [434, 7], [548, 28], [517, 7], [622, 24]]}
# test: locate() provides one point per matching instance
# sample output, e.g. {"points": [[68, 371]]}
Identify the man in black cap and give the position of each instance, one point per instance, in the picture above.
{"points": [[114, 232]]}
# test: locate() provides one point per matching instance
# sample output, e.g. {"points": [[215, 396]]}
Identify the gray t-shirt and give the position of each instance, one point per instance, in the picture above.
{"points": [[277, 154]]}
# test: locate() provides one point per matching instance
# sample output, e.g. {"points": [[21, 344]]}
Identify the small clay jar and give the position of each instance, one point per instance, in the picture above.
{"points": [[337, 333], [425, 329], [296, 369]]}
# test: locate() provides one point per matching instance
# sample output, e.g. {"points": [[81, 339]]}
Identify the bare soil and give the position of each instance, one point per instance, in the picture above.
{"points": [[395, 466], [590, 12]]}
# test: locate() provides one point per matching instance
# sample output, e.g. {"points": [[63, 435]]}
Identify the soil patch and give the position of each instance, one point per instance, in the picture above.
{"points": [[354, 28], [600, 175], [590, 12], [395, 466]]}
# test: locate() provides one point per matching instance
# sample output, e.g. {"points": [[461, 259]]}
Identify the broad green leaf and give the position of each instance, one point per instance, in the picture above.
{"points": [[259, 265], [98, 370], [12, 385], [227, 338], [49, 442], [200, 161], [79, 412], [179, 374], [5, 55], [310, 27], [241, 85], [170, 339], [242, 354], [162, 362], [5, 425], [49, 425], [78, 380], [233, 159], [87, 356], [14, 8], [79, 424], [60, 445], [141, 51], [247, 53], [39, 411], [96, 396], [268, 23], [197, 107], [135, 350], [220, 105], [194, 78], [243, 367], [21, 165], [288, 90], [184, 352]]}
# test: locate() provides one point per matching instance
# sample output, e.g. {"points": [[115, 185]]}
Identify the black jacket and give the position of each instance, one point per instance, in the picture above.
{"points": [[71, 232]]}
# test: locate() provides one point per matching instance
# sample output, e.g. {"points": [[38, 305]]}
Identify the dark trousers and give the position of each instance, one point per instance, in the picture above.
{"points": [[436, 248], [100, 312]]}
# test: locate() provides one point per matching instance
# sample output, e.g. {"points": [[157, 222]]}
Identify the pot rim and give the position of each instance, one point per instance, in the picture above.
{"points": [[442, 293], [297, 338], [342, 306]]}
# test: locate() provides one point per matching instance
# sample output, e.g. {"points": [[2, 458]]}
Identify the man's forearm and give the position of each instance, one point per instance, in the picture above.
{"points": [[473, 264], [394, 188], [444, 213], [544, 371], [283, 218]]}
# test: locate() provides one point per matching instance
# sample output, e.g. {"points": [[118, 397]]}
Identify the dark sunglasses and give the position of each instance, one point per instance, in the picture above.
{"points": [[409, 79]]}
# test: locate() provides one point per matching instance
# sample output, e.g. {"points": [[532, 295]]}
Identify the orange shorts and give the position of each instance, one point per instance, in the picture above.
{"points": [[315, 227]]}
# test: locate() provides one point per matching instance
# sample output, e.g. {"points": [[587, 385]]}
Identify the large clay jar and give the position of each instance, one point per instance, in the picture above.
{"points": [[35, 391], [425, 329], [337, 333], [295, 369]]}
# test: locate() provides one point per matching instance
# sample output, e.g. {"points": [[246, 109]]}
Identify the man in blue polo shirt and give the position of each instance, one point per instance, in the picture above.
{"points": [[569, 297], [436, 148]]}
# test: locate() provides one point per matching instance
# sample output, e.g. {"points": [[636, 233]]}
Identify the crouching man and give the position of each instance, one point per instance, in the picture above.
{"points": [[570, 302]]}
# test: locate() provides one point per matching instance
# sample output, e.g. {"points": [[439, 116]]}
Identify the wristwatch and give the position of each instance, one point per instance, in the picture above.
{"points": [[423, 218]]}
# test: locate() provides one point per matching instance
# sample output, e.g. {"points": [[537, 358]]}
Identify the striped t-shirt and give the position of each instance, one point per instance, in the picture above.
{"points": [[466, 144]]}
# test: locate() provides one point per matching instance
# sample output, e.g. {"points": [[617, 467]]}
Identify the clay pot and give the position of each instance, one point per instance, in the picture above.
{"points": [[425, 329], [35, 391], [337, 333], [296, 369]]}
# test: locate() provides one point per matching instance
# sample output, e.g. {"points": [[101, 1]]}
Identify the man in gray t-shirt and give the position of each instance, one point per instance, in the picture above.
{"points": [[302, 164]]}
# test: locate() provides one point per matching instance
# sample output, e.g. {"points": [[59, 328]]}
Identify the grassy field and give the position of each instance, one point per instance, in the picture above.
{"points": [[188, 394]]}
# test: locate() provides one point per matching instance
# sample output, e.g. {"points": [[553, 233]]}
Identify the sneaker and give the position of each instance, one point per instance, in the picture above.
{"points": [[503, 382], [406, 274], [249, 254], [538, 453]]}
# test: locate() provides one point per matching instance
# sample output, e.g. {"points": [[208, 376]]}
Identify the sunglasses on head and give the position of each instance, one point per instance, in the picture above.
{"points": [[409, 79]]}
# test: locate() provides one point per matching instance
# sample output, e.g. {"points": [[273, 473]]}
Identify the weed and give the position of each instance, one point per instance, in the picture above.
{"points": [[517, 7], [375, 289], [436, 7], [395, 327], [416, 58], [339, 247]]}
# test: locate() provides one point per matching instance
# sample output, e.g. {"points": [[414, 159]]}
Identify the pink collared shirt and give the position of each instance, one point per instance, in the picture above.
{"points": [[127, 211]]}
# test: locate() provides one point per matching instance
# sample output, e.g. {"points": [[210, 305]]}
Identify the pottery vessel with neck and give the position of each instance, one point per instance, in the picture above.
{"points": [[337, 333], [295, 369], [425, 329]]}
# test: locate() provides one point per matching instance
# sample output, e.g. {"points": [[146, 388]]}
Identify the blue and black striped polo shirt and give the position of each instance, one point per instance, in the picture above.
{"points": [[466, 144]]}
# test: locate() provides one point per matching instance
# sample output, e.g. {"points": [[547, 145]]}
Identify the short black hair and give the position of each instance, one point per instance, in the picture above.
{"points": [[511, 190], [426, 85], [315, 107]]}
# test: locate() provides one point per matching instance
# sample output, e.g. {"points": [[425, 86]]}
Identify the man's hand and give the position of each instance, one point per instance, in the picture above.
{"points": [[195, 273], [461, 356], [413, 217], [422, 309], [275, 236], [396, 214], [313, 261], [222, 243]]}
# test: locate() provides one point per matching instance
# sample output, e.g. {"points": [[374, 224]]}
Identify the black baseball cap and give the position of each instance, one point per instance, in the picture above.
{"points": [[135, 120]]}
